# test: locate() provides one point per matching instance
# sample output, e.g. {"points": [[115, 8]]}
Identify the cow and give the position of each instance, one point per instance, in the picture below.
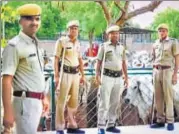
{"points": [[140, 94]]}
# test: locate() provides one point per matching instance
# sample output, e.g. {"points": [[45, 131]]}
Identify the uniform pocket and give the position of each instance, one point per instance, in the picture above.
{"points": [[109, 55], [29, 63], [157, 52], [32, 62], [69, 51], [167, 52]]}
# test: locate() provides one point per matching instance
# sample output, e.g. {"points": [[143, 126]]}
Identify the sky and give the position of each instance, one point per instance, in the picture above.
{"points": [[146, 19]]}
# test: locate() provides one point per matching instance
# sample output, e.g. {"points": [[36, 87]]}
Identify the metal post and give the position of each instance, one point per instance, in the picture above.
{"points": [[3, 21], [3, 29], [52, 102], [0, 66]]}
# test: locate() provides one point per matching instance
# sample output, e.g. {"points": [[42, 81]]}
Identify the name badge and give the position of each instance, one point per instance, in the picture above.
{"points": [[32, 55], [109, 51], [68, 47]]}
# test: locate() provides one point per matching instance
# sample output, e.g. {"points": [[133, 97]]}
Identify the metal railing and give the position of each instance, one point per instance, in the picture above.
{"points": [[88, 72]]}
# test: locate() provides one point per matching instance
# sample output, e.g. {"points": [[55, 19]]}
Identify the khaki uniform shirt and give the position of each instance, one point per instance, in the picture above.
{"points": [[72, 51], [23, 60], [114, 56], [164, 51]]}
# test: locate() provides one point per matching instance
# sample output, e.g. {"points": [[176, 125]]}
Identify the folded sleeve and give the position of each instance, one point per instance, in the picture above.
{"points": [[100, 53], [10, 60], [124, 54], [175, 48], [58, 48]]}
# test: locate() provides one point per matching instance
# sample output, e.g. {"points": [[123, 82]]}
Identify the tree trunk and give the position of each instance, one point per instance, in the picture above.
{"points": [[125, 14], [91, 36]]}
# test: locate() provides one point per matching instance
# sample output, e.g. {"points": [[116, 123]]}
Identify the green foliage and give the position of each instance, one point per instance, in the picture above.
{"points": [[8, 15], [51, 20], [171, 18], [56, 14], [3, 42], [88, 13]]}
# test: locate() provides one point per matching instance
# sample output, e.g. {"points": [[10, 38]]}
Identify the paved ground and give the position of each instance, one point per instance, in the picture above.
{"points": [[142, 129]]}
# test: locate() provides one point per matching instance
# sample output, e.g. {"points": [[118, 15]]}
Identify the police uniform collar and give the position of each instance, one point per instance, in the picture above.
{"points": [[70, 40], [166, 39], [118, 43], [28, 39]]}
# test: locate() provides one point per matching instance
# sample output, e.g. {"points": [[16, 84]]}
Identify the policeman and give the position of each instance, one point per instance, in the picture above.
{"points": [[67, 51], [112, 60], [166, 62], [22, 70]]}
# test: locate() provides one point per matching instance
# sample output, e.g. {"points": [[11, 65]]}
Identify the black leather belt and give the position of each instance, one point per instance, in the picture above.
{"points": [[161, 67], [71, 70], [112, 73], [29, 94]]}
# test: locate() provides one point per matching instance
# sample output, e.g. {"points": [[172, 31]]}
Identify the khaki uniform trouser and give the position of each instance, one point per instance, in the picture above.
{"points": [[27, 112], [110, 92], [164, 95], [69, 86]]}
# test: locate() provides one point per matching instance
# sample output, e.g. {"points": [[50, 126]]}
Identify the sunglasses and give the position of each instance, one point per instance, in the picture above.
{"points": [[31, 18]]}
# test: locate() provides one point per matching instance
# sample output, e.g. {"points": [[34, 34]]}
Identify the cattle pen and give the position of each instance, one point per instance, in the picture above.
{"points": [[130, 118], [87, 113]]}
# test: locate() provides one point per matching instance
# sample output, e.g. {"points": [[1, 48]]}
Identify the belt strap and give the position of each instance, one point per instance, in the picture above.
{"points": [[112, 73], [161, 67], [29, 94], [71, 70]]}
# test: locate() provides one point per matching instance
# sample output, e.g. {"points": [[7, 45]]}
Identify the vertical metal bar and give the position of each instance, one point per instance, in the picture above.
{"points": [[0, 64], [52, 102]]}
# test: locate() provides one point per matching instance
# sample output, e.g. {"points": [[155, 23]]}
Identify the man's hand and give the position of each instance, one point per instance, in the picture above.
{"points": [[126, 83], [8, 122], [98, 80], [56, 79], [46, 106], [174, 79], [7, 130], [82, 79], [8, 118]]}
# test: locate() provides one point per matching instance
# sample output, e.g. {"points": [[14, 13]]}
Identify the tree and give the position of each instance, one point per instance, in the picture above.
{"points": [[51, 20], [7, 15], [94, 17], [92, 22], [171, 18], [124, 14]]}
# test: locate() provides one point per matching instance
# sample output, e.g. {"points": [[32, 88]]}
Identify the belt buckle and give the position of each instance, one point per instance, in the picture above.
{"points": [[76, 70], [115, 74], [23, 94], [68, 69], [159, 67]]}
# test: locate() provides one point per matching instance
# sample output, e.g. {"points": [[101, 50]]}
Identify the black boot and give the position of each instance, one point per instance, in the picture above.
{"points": [[75, 131], [60, 132], [113, 130], [158, 125]]}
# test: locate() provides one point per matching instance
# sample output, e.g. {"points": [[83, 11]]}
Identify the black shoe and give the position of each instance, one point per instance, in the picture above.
{"points": [[44, 129], [157, 125], [75, 131], [60, 132], [113, 130], [170, 127]]}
